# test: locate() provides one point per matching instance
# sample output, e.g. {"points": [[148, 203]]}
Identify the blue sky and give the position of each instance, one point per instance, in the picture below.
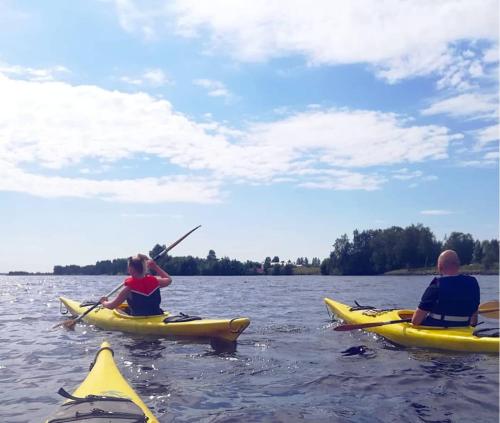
{"points": [[277, 125]]}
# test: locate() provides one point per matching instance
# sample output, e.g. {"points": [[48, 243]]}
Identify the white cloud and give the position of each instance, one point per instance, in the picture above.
{"points": [[491, 155], [436, 212], [416, 176], [34, 74], [464, 70], [142, 190], [214, 88], [348, 138], [140, 18], [153, 77], [55, 125], [400, 38], [491, 55], [405, 174], [469, 105], [345, 180], [131, 81], [483, 162], [487, 135], [151, 215]]}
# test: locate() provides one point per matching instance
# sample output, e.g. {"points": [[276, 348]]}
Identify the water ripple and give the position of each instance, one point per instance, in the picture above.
{"points": [[289, 365]]}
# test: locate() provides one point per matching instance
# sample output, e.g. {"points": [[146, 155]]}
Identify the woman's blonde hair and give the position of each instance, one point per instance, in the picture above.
{"points": [[138, 263]]}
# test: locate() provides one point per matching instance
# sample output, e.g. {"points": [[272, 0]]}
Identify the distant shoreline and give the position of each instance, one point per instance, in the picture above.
{"points": [[472, 269]]}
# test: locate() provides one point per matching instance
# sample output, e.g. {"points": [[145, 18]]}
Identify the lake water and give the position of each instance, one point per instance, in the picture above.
{"points": [[288, 367]]}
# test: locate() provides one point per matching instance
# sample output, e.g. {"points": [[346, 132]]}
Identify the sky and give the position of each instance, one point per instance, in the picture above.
{"points": [[277, 125]]}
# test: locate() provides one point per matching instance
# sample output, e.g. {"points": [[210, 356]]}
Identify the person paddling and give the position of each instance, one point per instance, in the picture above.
{"points": [[141, 291], [451, 299]]}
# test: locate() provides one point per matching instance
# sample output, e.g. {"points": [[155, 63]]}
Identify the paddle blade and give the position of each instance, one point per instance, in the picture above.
{"points": [[345, 328], [67, 324], [490, 309]]}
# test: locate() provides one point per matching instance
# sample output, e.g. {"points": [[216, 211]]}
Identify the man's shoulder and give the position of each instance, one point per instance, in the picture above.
{"points": [[469, 278], [434, 281]]}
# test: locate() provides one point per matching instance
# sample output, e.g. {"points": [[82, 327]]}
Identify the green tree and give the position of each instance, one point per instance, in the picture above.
{"points": [[340, 257], [277, 269], [267, 265], [463, 244], [211, 256], [325, 267], [157, 249], [189, 267], [287, 269], [477, 253], [361, 251], [490, 253]]}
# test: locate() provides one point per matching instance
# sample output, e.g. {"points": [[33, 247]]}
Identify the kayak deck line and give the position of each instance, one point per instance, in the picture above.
{"points": [[460, 339]]}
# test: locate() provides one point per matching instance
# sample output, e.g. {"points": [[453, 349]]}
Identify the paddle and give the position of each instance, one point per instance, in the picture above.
{"points": [[70, 324], [490, 309], [343, 328], [485, 309]]}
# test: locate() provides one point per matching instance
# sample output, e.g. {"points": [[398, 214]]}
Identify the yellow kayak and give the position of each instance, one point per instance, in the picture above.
{"points": [[104, 380], [449, 339], [223, 329]]}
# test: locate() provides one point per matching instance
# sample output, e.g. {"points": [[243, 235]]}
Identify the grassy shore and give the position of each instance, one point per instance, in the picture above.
{"points": [[306, 270], [469, 269]]}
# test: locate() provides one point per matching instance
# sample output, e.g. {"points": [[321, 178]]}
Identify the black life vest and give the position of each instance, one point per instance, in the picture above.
{"points": [[458, 297], [144, 298]]}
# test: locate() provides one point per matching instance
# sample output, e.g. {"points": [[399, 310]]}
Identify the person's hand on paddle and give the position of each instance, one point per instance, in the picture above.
{"points": [[152, 265], [102, 300], [163, 277]]}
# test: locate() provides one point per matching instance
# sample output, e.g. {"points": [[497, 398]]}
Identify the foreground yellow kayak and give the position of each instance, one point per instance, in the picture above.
{"points": [[105, 385], [223, 329], [449, 339]]}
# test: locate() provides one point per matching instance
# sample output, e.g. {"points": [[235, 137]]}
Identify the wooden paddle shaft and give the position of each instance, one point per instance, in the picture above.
{"points": [[166, 250], [81, 316], [343, 328]]}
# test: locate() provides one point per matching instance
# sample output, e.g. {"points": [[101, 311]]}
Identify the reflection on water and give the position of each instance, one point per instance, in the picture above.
{"points": [[289, 364], [359, 350], [437, 364], [141, 348]]}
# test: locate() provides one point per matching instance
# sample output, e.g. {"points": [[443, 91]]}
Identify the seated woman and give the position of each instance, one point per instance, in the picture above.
{"points": [[141, 291], [451, 299]]}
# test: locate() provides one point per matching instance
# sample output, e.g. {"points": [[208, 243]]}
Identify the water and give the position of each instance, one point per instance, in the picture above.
{"points": [[289, 364]]}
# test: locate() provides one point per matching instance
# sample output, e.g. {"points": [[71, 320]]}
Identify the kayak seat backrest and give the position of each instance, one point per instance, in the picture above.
{"points": [[181, 318]]}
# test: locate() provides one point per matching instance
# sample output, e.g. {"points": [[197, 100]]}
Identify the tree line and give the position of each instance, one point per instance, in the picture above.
{"points": [[369, 252], [192, 266], [372, 252]]}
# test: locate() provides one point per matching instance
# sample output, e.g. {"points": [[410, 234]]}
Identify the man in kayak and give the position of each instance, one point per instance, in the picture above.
{"points": [[451, 299], [141, 291]]}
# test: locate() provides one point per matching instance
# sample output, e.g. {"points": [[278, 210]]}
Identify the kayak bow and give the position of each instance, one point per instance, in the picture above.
{"points": [[104, 380]]}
